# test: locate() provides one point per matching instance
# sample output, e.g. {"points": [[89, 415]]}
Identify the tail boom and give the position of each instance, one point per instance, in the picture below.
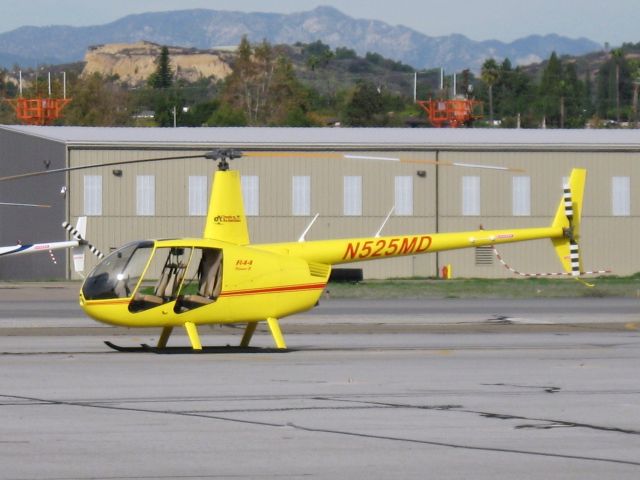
{"points": [[334, 252], [563, 232]]}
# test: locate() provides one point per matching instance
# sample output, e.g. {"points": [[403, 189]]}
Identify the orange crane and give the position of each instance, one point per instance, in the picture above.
{"points": [[39, 110], [453, 112]]}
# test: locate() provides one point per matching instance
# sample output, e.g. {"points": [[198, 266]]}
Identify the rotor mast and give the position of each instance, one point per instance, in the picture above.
{"points": [[223, 155]]}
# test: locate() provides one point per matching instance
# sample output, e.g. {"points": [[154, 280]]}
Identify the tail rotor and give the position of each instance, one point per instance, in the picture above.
{"points": [[568, 218], [78, 232]]}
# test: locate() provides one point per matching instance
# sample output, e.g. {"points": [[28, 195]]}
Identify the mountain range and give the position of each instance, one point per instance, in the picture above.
{"points": [[205, 29]]}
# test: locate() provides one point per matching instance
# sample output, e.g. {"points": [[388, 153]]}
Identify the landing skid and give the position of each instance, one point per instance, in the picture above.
{"points": [[119, 348], [144, 348]]}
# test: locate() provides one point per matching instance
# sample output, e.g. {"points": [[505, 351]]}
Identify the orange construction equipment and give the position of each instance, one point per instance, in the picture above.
{"points": [[452, 113], [38, 111]]}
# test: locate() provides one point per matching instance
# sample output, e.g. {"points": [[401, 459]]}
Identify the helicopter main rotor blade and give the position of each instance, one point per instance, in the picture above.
{"points": [[96, 165], [263, 154], [379, 158], [8, 204], [434, 162]]}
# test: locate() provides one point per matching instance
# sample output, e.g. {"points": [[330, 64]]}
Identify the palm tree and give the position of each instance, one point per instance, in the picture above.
{"points": [[489, 75], [617, 55]]}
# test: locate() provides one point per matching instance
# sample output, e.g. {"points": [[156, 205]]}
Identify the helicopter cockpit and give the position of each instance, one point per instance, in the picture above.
{"points": [[190, 276]]}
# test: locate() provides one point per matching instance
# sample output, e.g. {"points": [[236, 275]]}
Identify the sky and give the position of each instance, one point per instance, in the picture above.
{"points": [[612, 21]]}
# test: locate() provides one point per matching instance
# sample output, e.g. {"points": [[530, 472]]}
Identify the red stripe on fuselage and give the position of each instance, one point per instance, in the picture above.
{"points": [[232, 293], [279, 289]]}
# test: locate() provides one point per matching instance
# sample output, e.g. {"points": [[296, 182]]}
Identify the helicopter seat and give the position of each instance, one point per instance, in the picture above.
{"points": [[166, 288], [210, 281]]}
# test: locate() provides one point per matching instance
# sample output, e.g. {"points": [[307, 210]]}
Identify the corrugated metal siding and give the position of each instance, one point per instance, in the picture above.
{"points": [[119, 224], [546, 156], [275, 223], [604, 238]]}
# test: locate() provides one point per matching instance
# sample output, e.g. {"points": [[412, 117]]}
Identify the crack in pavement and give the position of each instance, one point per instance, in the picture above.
{"points": [[41, 402]]}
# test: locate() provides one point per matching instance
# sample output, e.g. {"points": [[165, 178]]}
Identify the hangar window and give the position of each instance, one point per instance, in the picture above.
{"points": [[93, 195], [301, 195], [251, 194], [352, 199], [471, 195], [521, 196], [197, 195], [404, 195], [621, 196], [145, 195]]}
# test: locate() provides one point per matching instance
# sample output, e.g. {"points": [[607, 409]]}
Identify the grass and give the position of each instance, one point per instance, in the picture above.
{"points": [[611, 286]]}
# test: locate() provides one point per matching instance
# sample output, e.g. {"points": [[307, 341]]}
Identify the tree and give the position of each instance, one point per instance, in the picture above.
{"points": [[489, 75], [551, 90], [169, 108], [366, 108], [97, 101], [167, 101], [511, 93], [466, 82], [614, 87], [200, 113], [562, 96], [618, 57], [227, 116], [318, 54], [344, 53], [573, 98], [635, 81], [162, 78], [263, 85]]}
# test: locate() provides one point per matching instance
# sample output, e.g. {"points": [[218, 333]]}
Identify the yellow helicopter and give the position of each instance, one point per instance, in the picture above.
{"points": [[222, 278]]}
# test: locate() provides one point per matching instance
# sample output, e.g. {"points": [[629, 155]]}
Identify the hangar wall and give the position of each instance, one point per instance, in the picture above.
{"points": [[275, 222], [607, 239], [438, 194], [21, 153]]}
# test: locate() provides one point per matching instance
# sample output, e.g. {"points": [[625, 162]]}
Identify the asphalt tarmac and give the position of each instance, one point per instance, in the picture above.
{"points": [[446, 389]]}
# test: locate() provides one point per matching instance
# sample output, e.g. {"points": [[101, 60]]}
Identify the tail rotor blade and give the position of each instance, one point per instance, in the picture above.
{"points": [[75, 234], [574, 249]]}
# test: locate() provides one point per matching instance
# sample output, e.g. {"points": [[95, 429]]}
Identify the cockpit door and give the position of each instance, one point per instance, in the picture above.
{"points": [[162, 280]]}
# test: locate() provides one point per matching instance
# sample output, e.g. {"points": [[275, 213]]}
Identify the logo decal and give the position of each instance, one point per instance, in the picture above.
{"points": [[219, 219], [244, 264]]}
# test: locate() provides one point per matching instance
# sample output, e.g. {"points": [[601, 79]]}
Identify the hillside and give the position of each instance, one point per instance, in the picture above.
{"points": [[587, 63], [206, 29], [134, 63]]}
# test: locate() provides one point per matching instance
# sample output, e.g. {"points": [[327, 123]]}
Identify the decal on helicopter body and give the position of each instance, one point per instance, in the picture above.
{"points": [[245, 264], [227, 219], [387, 247]]}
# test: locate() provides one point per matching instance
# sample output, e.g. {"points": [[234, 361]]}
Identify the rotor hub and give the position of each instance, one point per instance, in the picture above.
{"points": [[223, 155]]}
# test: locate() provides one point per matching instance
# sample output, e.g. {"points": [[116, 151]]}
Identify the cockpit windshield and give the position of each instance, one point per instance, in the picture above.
{"points": [[118, 274]]}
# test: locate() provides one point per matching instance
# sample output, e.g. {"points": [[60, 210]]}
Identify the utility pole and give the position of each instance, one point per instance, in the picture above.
{"points": [[636, 85], [415, 87]]}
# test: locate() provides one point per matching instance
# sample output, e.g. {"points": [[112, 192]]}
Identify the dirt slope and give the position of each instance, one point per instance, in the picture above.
{"points": [[135, 62]]}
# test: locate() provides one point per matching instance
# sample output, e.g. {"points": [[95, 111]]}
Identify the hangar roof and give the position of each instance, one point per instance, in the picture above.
{"points": [[385, 138]]}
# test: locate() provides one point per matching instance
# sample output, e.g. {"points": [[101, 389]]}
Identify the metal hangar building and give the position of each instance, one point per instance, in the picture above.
{"points": [[286, 188]]}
